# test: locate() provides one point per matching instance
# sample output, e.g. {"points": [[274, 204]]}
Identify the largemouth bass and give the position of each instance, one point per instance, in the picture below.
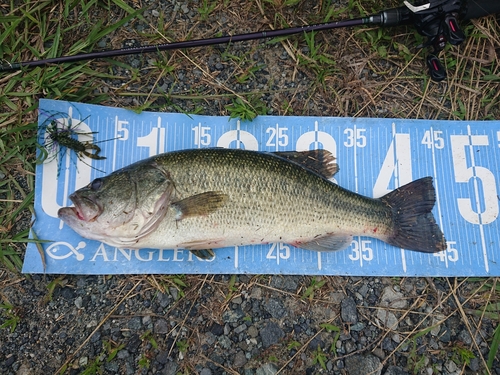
{"points": [[210, 198]]}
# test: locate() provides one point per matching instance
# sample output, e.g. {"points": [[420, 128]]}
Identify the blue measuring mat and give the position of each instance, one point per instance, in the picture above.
{"points": [[375, 156]]}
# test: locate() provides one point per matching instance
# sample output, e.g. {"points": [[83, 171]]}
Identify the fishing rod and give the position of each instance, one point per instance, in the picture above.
{"points": [[435, 19]]}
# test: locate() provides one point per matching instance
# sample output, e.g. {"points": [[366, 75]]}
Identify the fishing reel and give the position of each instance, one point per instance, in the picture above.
{"points": [[437, 20]]}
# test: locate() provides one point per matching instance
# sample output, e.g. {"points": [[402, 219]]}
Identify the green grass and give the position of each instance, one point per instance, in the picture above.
{"points": [[38, 30]]}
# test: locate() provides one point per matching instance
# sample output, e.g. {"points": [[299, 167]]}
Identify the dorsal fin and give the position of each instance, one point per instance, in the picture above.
{"points": [[319, 161]]}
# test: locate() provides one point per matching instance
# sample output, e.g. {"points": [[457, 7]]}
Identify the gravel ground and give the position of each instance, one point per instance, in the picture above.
{"points": [[252, 325]]}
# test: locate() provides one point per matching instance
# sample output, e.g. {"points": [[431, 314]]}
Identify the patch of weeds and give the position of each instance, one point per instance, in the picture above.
{"points": [[495, 343], [273, 358], [206, 8], [182, 346], [416, 361], [107, 354], [461, 355], [59, 281], [165, 282], [248, 73], [95, 367], [246, 110], [293, 345], [144, 362], [317, 59], [231, 287], [461, 112], [332, 328], [148, 336], [319, 357], [315, 285], [378, 40], [11, 315], [111, 350]]}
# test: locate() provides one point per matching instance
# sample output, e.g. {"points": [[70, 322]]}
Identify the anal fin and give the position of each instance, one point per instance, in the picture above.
{"points": [[328, 242]]}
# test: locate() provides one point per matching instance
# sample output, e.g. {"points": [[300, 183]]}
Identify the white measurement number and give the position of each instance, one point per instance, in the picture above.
{"points": [[355, 137], [202, 136], [278, 251], [277, 137], [483, 207], [361, 250]]}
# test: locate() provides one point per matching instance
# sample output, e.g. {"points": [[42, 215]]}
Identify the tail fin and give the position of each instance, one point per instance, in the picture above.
{"points": [[414, 225]]}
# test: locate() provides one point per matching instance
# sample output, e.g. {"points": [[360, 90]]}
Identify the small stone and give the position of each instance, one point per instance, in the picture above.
{"points": [[83, 361], [348, 310], [435, 330], [337, 297], [79, 303], [358, 327], [267, 369], [239, 359], [225, 342], [271, 334], [240, 328], [135, 323], [174, 292], [237, 300], [232, 316], [275, 308], [474, 364], [122, 354], [164, 299], [451, 366], [256, 293], [362, 365], [170, 368], [102, 43], [388, 319], [395, 370], [252, 331], [155, 13], [133, 343], [445, 335], [205, 371], [217, 329], [465, 337], [379, 353], [67, 293], [10, 360], [162, 357], [161, 326], [393, 299]]}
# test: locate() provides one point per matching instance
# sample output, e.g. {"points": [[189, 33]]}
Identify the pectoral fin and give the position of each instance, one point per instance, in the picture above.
{"points": [[319, 161], [327, 242], [199, 204]]}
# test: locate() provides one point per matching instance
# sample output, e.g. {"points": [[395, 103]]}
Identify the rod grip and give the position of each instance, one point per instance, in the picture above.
{"points": [[480, 8]]}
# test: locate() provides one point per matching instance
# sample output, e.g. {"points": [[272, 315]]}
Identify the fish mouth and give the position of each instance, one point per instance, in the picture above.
{"points": [[85, 209]]}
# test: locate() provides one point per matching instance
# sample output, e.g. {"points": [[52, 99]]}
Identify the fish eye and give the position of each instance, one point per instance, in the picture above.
{"points": [[96, 184]]}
